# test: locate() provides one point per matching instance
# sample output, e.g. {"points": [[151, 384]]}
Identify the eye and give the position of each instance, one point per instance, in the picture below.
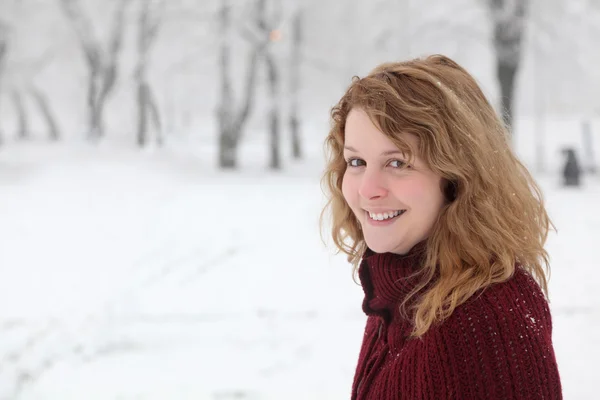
{"points": [[398, 164], [355, 162]]}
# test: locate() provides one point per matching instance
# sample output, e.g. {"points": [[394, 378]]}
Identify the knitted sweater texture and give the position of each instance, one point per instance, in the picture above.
{"points": [[497, 345]]}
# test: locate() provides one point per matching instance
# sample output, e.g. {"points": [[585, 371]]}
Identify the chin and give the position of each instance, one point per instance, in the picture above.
{"points": [[379, 247], [382, 246]]}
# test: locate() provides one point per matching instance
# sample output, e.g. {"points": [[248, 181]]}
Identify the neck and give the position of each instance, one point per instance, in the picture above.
{"points": [[388, 278]]}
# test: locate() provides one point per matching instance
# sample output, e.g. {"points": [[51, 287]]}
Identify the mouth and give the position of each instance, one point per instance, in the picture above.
{"points": [[385, 216]]}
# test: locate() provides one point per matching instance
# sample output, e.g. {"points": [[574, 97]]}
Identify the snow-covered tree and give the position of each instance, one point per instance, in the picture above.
{"points": [[266, 27], [295, 78], [509, 21], [19, 69], [102, 61], [149, 21], [232, 114]]}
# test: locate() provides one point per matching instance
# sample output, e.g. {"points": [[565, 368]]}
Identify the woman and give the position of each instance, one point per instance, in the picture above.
{"points": [[446, 229]]}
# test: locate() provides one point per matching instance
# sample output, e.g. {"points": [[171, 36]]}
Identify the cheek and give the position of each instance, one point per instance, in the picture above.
{"points": [[421, 194], [413, 192], [430, 196]]}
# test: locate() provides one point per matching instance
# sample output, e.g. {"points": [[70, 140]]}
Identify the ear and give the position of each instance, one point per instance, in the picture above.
{"points": [[450, 190]]}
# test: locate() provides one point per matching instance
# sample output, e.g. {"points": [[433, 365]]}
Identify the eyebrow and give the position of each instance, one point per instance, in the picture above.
{"points": [[385, 153]]}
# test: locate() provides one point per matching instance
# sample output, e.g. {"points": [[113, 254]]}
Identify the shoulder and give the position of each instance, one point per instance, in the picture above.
{"points": [[517, 303], [500, 342], [516, 308]]}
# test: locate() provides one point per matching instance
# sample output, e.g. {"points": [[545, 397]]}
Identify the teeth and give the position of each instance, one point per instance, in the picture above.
{"points": [[385, 215]]}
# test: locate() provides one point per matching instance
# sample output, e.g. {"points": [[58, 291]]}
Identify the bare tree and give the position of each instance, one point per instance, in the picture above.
{"points": [[295, 63], [102, 64], [23, 131], [21, 110], [148, 24], [18, 96], [232, 116], [266, 27], [42, 103], [19, 73], [508, 17]]}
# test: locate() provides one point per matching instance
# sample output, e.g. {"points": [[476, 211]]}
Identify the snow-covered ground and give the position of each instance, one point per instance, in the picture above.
{"points": [[149, 275]]}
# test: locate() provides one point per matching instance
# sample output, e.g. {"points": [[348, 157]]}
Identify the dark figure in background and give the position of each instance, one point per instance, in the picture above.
{"points": [[572, 169]]}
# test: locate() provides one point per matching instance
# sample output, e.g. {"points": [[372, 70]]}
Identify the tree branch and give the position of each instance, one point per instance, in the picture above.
{"points": [[83, 29], [116, 39]]}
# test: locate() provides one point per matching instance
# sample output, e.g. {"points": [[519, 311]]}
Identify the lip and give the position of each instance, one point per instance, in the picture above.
{"points": [[385, 222]]}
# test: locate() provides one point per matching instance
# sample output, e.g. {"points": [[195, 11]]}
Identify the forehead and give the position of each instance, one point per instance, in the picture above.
{"points": [[363, 135]]}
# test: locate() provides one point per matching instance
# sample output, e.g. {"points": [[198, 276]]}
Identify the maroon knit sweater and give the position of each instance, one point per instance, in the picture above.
{"points": [[497, 345]]}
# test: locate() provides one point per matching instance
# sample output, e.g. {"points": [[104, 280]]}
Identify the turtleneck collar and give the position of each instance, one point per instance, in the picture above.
{"points": [[387, 278]]}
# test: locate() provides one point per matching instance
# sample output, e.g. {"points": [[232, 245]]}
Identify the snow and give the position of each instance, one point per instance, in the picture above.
{"points": [[149, 275]]}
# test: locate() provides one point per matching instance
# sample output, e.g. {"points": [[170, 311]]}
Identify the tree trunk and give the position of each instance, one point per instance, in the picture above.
{"points": [[97, 125], [506, 73], [142, 101], [108, 77], [102, 63], [92, 95], [156, 120], [273, 77], [274, 131], [509, 22], [275, 141], [295, 131], [232, 117], [227, 148], [227, 142], [23, 132], [147, 111], [147, 30], [44, 107], [295, 60]]}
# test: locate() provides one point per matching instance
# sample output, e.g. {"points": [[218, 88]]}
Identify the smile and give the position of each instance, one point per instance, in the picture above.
{"points": [[388, 215]]}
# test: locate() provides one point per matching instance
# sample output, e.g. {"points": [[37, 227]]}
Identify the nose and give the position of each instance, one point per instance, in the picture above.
{"points": [[372, 186]]}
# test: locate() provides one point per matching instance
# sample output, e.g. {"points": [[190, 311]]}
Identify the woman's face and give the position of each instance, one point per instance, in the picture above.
{"points": [[397, 204]]}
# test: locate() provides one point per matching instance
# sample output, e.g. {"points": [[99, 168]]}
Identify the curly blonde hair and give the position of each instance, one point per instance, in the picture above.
{"points": [[494, 218]]}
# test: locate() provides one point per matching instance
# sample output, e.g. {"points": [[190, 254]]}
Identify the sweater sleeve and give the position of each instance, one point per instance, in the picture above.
{"points": [[497, 346]]}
